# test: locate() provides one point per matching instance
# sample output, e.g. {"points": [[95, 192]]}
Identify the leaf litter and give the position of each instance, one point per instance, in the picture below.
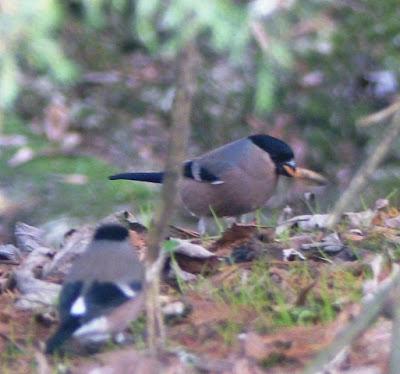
{"points": [[257, 299]]}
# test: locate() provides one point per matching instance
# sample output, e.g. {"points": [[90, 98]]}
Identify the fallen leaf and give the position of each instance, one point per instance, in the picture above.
{"points": [[307, 222], [381, 204], [187, 248], [22, 156], [10, 254], [360, 219], [28, 238], [234, 234], [179, 232], [120, 362], [330, 244], [393, 223]]}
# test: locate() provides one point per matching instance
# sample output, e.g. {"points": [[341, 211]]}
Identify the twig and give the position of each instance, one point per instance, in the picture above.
{"points": [[179, 134], [13, 342], [380, 116], [359, 180], [260, 35], [43, 366], [394, 361], [367, 316]]}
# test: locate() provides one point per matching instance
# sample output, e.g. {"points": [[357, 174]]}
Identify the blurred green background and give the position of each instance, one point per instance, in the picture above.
{"points": [[86, 88]]}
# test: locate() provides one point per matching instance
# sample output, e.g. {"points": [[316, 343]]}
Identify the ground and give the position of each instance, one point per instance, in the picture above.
{"points": [[247, 301]]}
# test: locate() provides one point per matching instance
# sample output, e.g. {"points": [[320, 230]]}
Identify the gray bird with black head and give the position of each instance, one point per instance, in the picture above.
{"points": [[107, 275], [231, 180]]}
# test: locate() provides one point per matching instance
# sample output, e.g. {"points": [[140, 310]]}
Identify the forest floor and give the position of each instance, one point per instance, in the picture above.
{"points": [[256, 299]]}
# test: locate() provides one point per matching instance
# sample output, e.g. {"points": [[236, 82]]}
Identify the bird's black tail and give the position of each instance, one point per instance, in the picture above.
{"points": [[142, 177], [64, 332]]}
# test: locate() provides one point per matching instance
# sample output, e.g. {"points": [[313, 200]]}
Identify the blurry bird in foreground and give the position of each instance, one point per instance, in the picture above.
{"points": [[107, 275], [234, 179]]}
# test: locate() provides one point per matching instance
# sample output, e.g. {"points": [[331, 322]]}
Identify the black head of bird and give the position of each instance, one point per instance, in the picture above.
{"points": [[231, 180], [106, 275]]}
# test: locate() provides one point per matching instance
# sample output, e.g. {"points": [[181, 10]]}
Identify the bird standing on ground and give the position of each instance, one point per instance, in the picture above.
{"points": [[106, 275], [231, 180]]}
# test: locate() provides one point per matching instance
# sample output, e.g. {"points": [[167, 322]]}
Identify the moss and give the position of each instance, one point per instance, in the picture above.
{"points": [[40, 183]]}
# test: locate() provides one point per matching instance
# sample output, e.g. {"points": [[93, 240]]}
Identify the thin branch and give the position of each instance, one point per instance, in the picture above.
{"points": [[260, 35], [12, 342], [380, 116], [394, 361], [179, 134], [369, 166], [361, 323]]}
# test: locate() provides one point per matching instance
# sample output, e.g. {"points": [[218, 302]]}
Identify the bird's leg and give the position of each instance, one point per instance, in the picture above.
{"points": [[202, 226], [240, 219]]}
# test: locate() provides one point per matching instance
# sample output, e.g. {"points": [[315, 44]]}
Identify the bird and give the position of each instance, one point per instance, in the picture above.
{"points": [[107, 275], [234, 179]]}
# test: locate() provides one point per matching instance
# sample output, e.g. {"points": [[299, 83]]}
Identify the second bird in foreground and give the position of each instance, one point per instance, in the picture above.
{"points": [[107, 275], [234, 179]]}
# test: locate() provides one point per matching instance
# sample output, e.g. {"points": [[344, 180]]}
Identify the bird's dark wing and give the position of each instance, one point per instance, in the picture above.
{"points": [[103, 296], [64, 331], [203, 172], [69, 294]]}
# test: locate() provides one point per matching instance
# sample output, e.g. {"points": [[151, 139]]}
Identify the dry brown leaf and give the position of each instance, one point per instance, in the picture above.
{"points": [[393, 223], [330, 244], [360, 219], [297, 343], [23, 155], [187, 248], [28, 238], [390, 234], [120, 362], [381, 204], [179, 232], [232, 235], [197, 265], [206, 311], [353, 235], [74, 243], [307, 222], [245, 366], [297, 241], [372, 348]]}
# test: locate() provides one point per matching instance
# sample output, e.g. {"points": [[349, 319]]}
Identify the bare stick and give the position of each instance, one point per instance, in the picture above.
{"points": [[369, 166], [380, 116], [394, 361], [179, 134], [362, 322]]}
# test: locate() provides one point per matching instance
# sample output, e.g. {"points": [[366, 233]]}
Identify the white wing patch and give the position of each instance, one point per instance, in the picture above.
{"points": [[127, 291], [196, 170], [78, 307], [95, 330]]}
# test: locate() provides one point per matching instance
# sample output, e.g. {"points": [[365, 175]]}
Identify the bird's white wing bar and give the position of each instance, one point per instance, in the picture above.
{"points": [[78, 308], [126, 290], [194, 169]]}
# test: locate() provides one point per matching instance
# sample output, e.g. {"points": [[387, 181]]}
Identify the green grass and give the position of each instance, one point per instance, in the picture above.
{"points": [[39, 183], [273, 303], [138, 330], [229, 330]]}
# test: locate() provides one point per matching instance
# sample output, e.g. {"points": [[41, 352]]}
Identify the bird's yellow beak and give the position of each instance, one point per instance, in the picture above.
{"points": [[306, 174]]}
